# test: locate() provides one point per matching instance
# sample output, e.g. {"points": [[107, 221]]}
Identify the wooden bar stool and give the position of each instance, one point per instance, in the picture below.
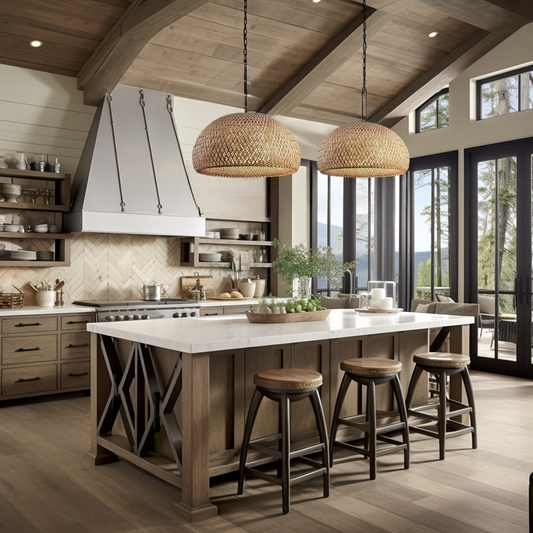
{"points": [[371, 372], [285, 385], [443, 365]]}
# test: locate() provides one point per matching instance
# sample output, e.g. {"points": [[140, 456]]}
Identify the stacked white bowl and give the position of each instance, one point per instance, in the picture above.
{"points": [[10, 191], [41, 228]]}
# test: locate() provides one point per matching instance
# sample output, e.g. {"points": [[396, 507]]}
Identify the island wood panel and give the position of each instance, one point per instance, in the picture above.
{"points": [[226, 402], [413, 342], [257, 359], [311, 356]]}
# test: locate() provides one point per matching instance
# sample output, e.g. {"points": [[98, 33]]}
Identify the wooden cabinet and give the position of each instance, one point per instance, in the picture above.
{"points": [[58, 185], [43, 354]]}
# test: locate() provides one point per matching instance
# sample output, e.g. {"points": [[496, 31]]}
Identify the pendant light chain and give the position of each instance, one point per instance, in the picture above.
{"points": [[363, 90], [245, 54]]}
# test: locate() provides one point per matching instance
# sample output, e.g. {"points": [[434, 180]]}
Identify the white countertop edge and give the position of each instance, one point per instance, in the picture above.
{"points": [[53, 310], [210, 334]]}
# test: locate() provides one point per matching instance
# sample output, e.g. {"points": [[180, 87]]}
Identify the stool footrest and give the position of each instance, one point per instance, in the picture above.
{"points": [[448, 433], [293, 480], [292, 455], [397, 446], [365, 426], [419, 412]]}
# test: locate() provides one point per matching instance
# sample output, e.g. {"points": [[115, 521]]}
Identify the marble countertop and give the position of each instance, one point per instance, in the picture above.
{"points": [[38, 310], [227, 332]]}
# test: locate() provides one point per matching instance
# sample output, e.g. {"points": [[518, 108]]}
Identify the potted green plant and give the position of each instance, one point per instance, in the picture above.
{"points": [[300, 263]]}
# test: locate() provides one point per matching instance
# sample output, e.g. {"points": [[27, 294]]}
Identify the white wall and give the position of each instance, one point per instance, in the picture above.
{"points": [[464, 130], [43, 113]]}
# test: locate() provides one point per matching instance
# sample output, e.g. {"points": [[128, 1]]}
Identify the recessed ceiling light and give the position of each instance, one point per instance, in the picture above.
{"points": [[433, 34], [36, 43], [316, 1]]}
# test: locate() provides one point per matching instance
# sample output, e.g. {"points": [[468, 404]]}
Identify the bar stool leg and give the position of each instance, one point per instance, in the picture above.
{"points": [[397, 388], [415, 376], [285, 418], [443, 396], [470, 395], [343, 389], [323, 434], [372, 427], [252, 413]]}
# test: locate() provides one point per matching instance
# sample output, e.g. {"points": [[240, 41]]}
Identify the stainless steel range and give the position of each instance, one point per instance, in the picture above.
{"points": [[121, 311]]}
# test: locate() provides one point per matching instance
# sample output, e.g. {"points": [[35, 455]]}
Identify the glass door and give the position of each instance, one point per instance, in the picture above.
{"points": [[498, 255]]}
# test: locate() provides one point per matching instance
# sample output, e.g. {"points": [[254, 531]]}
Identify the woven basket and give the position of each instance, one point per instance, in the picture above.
{"points": [[11, 300]]}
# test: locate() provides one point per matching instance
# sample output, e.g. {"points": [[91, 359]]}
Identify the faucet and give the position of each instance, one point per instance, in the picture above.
{"points": [[351, 281]]}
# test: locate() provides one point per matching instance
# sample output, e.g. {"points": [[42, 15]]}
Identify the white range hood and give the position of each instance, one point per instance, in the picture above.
{"points": [[131, 177]]}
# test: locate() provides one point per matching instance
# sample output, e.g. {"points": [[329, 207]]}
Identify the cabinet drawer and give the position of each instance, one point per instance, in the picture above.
{"points": [[76, 322], [237, 309], [29, 379], [29, 324], [74, 375], [30, 349], [76, 345], [213, 311]]}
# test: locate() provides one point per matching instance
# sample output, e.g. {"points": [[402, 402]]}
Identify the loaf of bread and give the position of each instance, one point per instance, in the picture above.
{"points": [[236, 294], [225, 295]]}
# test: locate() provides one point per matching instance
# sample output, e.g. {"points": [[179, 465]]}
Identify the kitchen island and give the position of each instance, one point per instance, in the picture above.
{"points": [[182, 387]]}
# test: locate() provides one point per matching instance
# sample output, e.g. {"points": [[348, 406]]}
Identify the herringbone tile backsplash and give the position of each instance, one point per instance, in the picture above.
{"points": [[112, 266]]}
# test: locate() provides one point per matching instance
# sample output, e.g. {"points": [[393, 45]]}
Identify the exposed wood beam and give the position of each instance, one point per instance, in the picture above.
{"points": [[325, 63], [439, 76], [116, 53]]}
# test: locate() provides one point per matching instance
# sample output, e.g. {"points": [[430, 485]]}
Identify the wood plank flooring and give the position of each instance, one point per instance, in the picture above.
{"points": [[47, 486]]}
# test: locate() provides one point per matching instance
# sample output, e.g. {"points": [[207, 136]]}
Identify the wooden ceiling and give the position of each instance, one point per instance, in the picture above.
{"points": [[304, 57]]}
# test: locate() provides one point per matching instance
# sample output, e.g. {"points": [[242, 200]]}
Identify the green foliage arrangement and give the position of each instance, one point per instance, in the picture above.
{"points": [[300, 262]]}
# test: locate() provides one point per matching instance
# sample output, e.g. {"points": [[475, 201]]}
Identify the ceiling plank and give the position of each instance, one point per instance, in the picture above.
{"points": [[439, 76], [125, 41], [325, 63], [489, 15]]}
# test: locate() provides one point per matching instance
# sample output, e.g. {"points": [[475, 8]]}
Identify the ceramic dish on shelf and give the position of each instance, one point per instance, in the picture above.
{"points": [[12, 228], [210, 257], [212, 234], [246, 236], [41, 228], [229, 233], [45, 255], [23, 255]]}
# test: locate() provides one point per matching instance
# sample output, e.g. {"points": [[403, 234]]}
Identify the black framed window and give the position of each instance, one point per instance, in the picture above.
{"points": [[506, 93], [357, 218], [434, 113], [430, 234]]}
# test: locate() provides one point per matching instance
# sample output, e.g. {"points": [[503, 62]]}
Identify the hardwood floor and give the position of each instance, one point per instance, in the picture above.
{"points": [[47, 486]]}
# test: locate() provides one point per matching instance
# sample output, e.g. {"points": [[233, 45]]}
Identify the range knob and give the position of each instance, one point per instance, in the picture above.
{"points": [[136, 317], [193, 313], [128, 317], [109, 318], [144, 317], [184, 314], [119, 318], [176, 315]]}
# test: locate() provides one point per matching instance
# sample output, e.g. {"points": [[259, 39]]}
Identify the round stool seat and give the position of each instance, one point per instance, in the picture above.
{"points": [[371, 367], [442, 360], [288, 379]]}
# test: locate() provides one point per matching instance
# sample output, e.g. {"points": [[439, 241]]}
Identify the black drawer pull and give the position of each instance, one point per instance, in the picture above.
{"points": [[21, 325], [84, 345], [211, 314], [23, 380], [28, 349], [78, 375], [78, 322]]}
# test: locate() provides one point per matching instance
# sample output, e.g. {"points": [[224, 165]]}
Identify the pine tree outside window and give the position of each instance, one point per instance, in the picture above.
{"points": [[505, 93], [434, 113]]}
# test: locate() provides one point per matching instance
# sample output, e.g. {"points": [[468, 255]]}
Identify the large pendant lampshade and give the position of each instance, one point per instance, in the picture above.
{"points": [[246, 145], [363, 150]]}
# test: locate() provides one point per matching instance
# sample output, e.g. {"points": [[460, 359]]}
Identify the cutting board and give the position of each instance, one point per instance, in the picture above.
{"points": [[189, 282]]}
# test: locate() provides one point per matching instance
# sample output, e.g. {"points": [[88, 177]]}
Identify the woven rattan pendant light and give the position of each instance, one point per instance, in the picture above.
{"points": [[363, 150], [246, 145]]}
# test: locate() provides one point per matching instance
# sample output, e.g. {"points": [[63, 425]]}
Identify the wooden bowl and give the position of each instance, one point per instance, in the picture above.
{"points": [[260, 318]]}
